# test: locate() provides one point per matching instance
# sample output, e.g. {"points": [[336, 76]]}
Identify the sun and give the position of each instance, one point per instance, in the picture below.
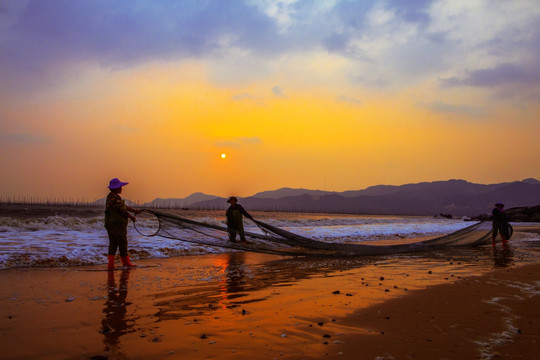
{"points": [[223, 156]]}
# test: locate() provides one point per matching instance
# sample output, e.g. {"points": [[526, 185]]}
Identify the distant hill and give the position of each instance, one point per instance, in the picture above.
{"points": [[456, 197], [284, 192], [189, 201]]}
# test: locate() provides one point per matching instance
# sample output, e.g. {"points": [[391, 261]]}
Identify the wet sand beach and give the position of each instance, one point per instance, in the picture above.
{"points": [[452, 304]]}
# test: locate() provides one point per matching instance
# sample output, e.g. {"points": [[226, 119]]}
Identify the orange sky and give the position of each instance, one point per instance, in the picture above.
{"points": [[303, 116]]}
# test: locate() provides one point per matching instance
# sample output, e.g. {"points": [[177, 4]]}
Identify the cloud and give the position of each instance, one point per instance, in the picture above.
{"points": [[446, 108], [23, 138], [277, 91], [500, 75], [349, 100], [238, 142], [390, 43], [244, 96]]}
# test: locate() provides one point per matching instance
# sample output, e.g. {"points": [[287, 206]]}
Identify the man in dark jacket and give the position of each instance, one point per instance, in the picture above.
{"points": [[500, 225], [235, 221]]}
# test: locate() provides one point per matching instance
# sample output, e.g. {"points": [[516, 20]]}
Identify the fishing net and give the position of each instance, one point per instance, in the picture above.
{"points": [[274, 240]]}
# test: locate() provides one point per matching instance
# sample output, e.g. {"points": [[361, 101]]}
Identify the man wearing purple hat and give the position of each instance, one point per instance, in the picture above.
{"points": [[117, 214]]}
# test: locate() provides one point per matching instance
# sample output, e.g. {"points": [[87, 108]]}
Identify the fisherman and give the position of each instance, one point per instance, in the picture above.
{"points": [[500, 225], [117, 214], [235, 222]]}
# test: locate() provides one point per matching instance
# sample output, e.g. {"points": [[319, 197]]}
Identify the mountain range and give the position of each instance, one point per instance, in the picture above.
{"points": [[455, 197]]}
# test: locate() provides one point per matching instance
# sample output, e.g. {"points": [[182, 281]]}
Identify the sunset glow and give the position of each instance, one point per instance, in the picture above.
{"points": [[333, 95]]}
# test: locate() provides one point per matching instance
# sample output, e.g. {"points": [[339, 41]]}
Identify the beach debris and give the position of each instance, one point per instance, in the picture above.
{"points": [[326, 336], [339, 342], [212, 342], [386, 290], [283, 335], [430, 272], [70, 299], [156, 339], [337, 292], [203, 336], [348, 294], [244, 312], [381, 278], [325, 342], [320, 323]]}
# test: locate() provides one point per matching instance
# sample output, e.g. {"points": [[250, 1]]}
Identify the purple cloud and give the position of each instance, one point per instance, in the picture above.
{"points": [[504, 74]]}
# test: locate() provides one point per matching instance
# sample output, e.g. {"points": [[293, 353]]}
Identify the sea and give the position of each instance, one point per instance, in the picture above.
{"points": [[59, 236]]}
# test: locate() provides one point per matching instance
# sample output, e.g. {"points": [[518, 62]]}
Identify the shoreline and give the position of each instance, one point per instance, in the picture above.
{"points": [[449, 304]]}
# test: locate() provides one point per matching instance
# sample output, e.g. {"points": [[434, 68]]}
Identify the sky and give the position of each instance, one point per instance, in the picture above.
{"points": [[331, 95]]}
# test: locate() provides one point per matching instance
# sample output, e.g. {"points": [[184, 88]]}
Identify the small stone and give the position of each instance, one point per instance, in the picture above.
{"points": [[320, 323], [430, 272], [327, 336], [244, 312], [203, 336], [348, 294], [337, 292], [283, 335], [381, 278]]}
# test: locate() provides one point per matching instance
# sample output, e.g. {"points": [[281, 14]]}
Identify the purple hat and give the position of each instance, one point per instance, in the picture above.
{"points": [[116, 184]]}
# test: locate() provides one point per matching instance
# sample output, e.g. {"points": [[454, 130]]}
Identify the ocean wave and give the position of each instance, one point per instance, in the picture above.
{"points": [[63, 240]]}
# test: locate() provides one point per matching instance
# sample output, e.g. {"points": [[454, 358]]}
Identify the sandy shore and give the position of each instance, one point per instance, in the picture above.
{"points": [[462, 304]]}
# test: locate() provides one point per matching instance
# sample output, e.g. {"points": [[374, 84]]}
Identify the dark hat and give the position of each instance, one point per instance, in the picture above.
{"points": [[232, 198]]}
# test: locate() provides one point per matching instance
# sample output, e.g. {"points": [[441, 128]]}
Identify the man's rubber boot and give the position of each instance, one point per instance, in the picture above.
{"points": [[126, 262], [504, 243], [110, 266]]}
